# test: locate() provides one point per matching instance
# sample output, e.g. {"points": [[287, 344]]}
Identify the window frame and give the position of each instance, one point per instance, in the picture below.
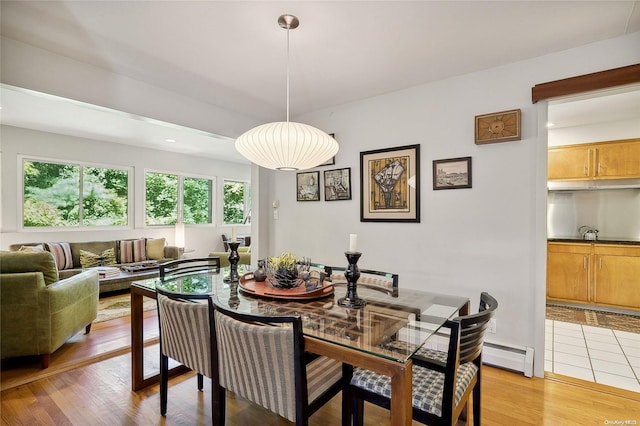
{"points": [[180, 208], [81, 164], [247, 205]]}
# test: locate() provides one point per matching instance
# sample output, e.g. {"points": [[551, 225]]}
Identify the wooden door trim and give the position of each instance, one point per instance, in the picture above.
{"points": [[586, 83]]}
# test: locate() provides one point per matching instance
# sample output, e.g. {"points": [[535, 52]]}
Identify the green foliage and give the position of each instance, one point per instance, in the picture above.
{"points": [[197, 200], [234, 207], [52, 195], [162, 198]]}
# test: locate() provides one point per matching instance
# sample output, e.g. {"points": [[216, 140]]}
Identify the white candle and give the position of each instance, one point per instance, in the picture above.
{"points": [[234, 239], [353, 242]]}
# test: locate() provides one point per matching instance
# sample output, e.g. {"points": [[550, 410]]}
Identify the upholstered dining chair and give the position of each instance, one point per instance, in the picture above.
{"points": [[443, 382], [179, 267], [186, 335], [262, 359], [384, 281]]}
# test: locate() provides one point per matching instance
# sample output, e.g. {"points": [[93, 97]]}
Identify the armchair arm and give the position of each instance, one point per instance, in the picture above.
{"points": [[172, 252]]}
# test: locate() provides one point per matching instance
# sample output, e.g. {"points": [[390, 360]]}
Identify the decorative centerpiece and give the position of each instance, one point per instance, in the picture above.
{"points": [[282, 271]]}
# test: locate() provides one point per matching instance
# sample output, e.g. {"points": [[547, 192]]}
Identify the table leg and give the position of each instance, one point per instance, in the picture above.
{"points": [[401, 391], [137, 341]]}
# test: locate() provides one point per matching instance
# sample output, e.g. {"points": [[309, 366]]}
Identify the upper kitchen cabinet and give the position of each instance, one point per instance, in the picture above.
{"points": [[602, 160]]}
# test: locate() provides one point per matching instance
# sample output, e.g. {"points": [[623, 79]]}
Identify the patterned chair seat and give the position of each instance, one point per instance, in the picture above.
{"points": [[427, 386]]}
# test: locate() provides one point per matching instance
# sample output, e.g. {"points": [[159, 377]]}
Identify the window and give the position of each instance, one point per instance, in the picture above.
{"points": [[73, 195], [170, 198], [237, 202]]}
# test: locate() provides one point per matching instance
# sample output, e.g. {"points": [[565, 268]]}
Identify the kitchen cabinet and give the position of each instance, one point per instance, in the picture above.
{"points": [[568, 271], [601, 274], [616, 275], [602, 160]]}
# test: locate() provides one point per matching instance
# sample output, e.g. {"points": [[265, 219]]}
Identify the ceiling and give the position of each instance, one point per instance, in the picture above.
{"points": [[232, 54]]}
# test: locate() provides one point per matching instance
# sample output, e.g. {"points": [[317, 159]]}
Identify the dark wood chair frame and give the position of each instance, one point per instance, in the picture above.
{"points": [[186, 266], [303, 409], [164, 360], [466, 341]]}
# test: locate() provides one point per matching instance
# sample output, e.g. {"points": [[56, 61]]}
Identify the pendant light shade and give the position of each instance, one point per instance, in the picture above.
{"points": [[286, 145]]}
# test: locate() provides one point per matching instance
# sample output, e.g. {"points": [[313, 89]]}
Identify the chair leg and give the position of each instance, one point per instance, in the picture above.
{"points": [[200, 382], [476, 403], [44, 360], [358, 411], [218, 402], [87, 329], [164, 383]]}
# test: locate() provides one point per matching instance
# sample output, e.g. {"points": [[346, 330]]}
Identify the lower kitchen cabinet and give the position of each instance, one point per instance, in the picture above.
{"points": [[616, 276], [602, 274], [568, 271]]}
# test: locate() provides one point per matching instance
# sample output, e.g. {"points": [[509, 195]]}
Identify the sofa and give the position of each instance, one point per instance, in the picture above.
{"points": [[40, 311], [74, 257]]}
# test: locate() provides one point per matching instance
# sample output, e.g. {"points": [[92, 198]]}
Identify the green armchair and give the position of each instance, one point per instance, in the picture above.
{"points": [[244, 252], [40, 312]]}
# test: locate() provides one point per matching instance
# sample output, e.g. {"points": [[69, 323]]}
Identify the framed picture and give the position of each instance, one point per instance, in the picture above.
{"points": [[308, 186], [452, 173], [496, 127], [337, 184], [331, 161], [390, 185]]}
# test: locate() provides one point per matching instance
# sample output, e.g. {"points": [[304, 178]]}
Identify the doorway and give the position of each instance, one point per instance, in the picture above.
{"points": [[588, 344]]}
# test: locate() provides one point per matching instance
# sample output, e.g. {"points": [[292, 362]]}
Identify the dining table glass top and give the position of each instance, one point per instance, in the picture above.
{"points": [[389, 326]]}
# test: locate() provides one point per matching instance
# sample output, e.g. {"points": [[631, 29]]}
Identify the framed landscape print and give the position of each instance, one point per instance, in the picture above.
{"points": [[337, 184], [497, 127], [308, 186], [452, 173], [390, 185]]}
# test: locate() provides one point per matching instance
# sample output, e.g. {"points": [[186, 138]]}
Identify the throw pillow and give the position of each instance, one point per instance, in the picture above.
{"points": [[89, 259], [155, 248], [31, 249], [133, 250], [61, 253]]}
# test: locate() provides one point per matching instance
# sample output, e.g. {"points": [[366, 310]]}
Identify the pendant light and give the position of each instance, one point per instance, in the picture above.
{"points": [[286, 145]]}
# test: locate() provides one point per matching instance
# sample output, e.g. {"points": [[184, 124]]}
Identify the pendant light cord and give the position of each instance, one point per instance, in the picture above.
{"points": [[288, 73]]}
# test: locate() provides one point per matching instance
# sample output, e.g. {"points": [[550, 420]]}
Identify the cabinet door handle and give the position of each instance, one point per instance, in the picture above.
{"points": [[600, 262], [584, 262], [584, 169], [598, 168]]}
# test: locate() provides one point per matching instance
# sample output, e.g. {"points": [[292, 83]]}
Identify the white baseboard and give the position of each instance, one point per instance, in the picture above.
{"points": [[508, 357]]}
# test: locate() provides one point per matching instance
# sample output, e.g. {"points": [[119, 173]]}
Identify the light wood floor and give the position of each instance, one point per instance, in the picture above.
{"points": [[77, 391]]}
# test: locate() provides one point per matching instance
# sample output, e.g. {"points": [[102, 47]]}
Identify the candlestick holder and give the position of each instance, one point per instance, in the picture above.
{"points": [[234, 257], [351, 300]]}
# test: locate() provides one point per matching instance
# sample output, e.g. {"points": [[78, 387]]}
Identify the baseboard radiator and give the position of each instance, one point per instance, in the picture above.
{"points": [[518, 359]]}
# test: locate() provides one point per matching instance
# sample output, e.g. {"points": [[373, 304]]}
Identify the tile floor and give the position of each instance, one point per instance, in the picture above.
{"points": [[595, 354]]}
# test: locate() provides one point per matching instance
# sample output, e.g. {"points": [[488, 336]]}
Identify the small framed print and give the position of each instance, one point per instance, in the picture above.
{"points": [[497, 127], [453, 173], [308, 186], [337, 184], [331, 161], [390, 184]]}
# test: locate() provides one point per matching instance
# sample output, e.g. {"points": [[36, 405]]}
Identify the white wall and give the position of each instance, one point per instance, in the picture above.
{"points": [[487, 238], [597, 132], [17, 141]]}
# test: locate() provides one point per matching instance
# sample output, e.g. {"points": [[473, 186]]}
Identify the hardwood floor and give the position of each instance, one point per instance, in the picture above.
{"points": [[98, 392]]}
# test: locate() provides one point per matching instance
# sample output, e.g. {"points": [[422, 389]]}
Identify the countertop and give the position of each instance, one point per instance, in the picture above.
{"points": [[627, 241]]}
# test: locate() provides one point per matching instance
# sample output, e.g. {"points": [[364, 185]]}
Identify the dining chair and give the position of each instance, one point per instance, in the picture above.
{"points": [[262, 359], [186, 335], [385, 281], [179, 267], [443, 382]]}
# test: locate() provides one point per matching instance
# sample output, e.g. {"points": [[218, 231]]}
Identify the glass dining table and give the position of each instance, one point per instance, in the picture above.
{"points": [[381, 336]]}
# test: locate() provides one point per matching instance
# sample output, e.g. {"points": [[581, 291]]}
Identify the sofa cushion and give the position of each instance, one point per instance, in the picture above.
{"points": [[90, 259], [93, 247], [36, 248], [20, 262], [133, 250], [155, 248], [61, 253]]}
